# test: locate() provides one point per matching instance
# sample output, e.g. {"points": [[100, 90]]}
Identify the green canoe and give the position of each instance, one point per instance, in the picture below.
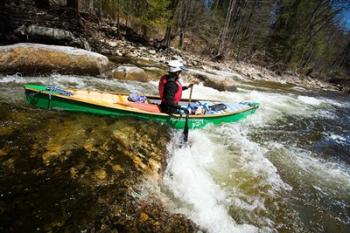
{"points": [[118, 105]]}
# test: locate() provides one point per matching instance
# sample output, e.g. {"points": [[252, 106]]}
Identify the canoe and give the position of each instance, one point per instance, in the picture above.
{"points": [[118, 105]]}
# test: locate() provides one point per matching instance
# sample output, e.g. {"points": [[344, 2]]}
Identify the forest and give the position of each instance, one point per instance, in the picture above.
{"points": [[306, 36]]}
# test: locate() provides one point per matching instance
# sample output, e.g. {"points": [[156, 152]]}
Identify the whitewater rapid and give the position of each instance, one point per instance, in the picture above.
{"points": [[226, 181], [276, 171]]}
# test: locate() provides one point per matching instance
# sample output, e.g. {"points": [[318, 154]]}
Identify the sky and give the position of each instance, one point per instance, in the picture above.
{"points": [[347, 20]]}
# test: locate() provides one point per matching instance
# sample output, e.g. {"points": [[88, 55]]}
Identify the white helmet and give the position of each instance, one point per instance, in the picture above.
{"points": [[175, 66]]}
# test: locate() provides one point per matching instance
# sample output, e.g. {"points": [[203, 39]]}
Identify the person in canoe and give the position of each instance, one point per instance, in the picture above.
{"points": [[170, 88]]}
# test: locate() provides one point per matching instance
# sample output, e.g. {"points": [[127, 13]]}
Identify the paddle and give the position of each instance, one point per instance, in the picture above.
{"points": [[187, 115]]}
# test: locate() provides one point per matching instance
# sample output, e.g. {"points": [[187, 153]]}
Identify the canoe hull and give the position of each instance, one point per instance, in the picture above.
{"points": [[45, 100]]}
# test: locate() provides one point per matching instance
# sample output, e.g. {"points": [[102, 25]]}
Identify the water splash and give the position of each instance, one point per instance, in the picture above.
{"points": [[227, 181], [199, 197]]}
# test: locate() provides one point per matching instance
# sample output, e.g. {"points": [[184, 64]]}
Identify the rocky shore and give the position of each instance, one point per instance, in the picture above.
{"points": [[140, 63]]}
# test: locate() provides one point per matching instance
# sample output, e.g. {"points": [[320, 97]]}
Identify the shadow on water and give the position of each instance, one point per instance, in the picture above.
{"points": [[78, 173]]}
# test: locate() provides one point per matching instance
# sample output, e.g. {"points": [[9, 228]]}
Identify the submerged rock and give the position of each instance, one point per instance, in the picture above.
{"points": [[29, 58], [80, 173]]}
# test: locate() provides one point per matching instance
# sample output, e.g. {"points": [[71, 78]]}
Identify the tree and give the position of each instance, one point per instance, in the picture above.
{"points": [[225, 29], [73, 4], [343, 59], [301, 34], [43, 4]]}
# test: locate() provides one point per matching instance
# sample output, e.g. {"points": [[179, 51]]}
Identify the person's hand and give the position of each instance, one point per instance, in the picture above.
{"points": [[195, 82]]}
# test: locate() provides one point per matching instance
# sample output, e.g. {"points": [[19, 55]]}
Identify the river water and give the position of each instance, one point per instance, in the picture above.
{"points": [[285, 168]]}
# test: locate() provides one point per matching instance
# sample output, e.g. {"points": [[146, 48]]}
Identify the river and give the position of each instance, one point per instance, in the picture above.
{"points": [[285, 168]]}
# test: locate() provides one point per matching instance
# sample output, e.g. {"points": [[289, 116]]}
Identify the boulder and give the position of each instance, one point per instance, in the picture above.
{"points": [[128, 72], [221, 83], [29, 58]]}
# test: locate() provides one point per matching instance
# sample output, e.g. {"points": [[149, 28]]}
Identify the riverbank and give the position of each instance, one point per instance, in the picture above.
{"points": [[103, 36]]}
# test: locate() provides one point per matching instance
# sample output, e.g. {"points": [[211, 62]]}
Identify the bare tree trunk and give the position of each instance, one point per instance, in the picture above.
{"points": [[342, 58], [182, 13], [224, 32], [167, 37], [216, 4], [181, 39], [118, 19], [73, 4], [43, 4], [91, 6], [99, 9]]}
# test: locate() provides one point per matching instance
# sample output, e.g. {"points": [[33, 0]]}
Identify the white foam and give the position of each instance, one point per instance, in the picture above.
{"points": [[325, 114], [80, 82], [16, 78], [251, 156], [202, 200], [337, 138], [329, 176], [310, 100], [273, 106]]}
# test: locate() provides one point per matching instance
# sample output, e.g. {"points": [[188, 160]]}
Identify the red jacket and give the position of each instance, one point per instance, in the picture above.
{"points": [[162, 92]]}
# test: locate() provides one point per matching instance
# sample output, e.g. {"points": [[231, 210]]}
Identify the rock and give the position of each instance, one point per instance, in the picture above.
{"points": [[29, 58], [106, 51], [118, 53], [2, 152], [95, 176], [130, 73], [117, 168], [155, 73], [112, 43], [101, 174], [86, 44], [73, 172], [177, 57], [194, 63], [215, 81], [221, 85], [45, 33], [58, 2]]}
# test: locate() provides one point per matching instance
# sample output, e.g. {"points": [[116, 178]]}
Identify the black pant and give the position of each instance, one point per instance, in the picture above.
{"points": [[168, 108]]}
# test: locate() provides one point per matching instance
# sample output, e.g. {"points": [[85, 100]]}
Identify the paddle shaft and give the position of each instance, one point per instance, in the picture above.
{"points": [[187, 115]]}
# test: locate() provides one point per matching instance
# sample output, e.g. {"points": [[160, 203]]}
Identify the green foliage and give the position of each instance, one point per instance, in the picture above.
{"points": [[157, 13], [302, 34]]}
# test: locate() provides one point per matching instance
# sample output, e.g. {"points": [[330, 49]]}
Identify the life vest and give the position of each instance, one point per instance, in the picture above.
{"points": [[162, 82]]}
